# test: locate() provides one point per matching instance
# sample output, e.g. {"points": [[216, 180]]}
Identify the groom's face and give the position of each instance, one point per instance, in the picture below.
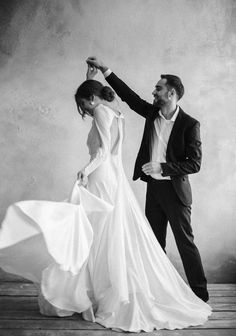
{"points": [[160, 93]]}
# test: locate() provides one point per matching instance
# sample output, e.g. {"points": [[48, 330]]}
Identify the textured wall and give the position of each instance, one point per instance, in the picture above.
{"points": [[43, 45]]}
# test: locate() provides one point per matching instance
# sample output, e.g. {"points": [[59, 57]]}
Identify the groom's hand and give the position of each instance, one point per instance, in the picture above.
{"points": [[95, 62], [152, 168]]}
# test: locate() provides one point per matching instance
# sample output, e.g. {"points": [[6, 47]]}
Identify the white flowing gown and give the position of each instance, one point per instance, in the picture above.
{"points": [[96, 253]]}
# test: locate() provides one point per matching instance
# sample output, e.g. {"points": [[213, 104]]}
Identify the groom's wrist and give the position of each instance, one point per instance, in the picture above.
{"points": [[103, 68], [107, 72]]}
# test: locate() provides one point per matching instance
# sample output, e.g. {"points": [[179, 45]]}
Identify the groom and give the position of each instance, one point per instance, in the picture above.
{"points": [[169, 151]]}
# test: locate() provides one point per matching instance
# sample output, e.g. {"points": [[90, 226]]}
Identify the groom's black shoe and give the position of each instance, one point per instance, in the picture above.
{"points": [[205, 298], [201, 293]]}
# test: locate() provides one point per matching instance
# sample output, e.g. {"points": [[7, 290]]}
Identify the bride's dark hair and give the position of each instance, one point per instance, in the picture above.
{"points": [[92, 87]]}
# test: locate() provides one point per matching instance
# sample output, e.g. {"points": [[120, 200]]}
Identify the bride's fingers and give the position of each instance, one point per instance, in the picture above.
{"points": [[91, 58], [92, 61], [89, 61], [92, 70], [79, 176], [89, 71]]}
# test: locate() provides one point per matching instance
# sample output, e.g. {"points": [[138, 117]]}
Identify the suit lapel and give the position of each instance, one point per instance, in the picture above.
{"points": [[155, 114], [175, 129], [150, 125]]}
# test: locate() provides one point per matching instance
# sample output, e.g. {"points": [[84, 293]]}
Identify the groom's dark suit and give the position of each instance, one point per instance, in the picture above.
{"points": [[170, 200]]}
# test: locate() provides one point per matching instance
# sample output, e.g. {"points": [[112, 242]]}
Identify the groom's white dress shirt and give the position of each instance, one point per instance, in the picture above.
{"points": [[160, 137]]}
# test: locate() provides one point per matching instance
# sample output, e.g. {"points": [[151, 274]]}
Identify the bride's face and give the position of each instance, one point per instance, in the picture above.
{"points": [[87, 106]]}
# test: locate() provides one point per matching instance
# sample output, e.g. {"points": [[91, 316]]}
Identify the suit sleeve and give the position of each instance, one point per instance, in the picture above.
{"points": [[128, 95], [103, 120], [192, 163]]}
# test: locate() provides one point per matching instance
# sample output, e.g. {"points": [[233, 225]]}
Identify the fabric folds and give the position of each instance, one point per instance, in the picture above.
{"points": [[96, 253]]}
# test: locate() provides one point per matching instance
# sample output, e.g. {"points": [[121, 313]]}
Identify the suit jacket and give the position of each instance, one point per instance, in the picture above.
{"points": [[183, 155]]}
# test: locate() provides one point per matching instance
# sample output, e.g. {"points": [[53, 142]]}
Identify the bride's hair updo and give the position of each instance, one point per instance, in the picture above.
{"points": [[92, 87]]}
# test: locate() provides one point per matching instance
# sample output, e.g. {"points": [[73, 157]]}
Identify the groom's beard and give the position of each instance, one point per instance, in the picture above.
{"points": [[158, 102]]}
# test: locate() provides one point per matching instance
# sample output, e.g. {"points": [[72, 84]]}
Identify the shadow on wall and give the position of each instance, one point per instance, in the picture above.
{"points": [[223, 270], [220, 270]]}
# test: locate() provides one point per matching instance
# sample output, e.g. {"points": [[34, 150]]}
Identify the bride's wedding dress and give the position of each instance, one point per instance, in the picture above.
{"points": [[96, 252]]}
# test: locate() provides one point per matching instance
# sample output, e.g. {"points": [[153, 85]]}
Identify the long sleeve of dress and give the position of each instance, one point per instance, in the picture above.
{"points": [[102, 122]]}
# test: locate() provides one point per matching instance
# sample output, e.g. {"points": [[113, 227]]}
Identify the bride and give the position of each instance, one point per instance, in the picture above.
{"points": [[96, 253]]}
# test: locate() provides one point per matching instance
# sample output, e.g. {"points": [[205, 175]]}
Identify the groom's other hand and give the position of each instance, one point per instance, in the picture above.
{"points": [[95, 62], [152, 168]]}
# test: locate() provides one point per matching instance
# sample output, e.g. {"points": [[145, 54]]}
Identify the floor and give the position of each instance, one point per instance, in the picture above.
{"points": [[19, 315]]}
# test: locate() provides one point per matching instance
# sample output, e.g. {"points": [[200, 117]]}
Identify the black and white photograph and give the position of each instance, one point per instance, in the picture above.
{"points": [[117, 167]]}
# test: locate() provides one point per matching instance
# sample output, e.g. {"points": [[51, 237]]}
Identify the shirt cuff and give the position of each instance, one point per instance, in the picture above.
{"points": [[107, 73]]}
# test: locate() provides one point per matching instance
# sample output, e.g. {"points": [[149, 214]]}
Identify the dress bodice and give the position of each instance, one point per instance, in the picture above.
{"points": [[105, 136]]}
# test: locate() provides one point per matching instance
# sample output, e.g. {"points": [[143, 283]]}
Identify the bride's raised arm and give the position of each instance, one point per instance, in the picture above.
{"points": [[91, 72]]}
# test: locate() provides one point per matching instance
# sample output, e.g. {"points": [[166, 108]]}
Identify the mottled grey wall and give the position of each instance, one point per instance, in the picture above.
{"points": [[43, 46]]}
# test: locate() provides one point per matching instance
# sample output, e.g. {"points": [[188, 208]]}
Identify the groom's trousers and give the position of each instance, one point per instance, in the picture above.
{"points": [[163, 206]]}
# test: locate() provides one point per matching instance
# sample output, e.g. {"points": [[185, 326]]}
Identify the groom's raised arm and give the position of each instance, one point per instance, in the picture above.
{"points": [[128, 95], [122, 90]]}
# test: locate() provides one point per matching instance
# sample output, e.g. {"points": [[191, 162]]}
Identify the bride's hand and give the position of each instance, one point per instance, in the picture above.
{"points": [[82, 179], [91, 72], [95, 62]]}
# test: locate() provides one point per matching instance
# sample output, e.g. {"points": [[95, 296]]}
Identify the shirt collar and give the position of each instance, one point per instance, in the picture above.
{"points": [[173, 118]]}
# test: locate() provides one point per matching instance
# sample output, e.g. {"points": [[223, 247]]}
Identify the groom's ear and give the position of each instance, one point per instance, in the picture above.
{"points": [[172, 92]]}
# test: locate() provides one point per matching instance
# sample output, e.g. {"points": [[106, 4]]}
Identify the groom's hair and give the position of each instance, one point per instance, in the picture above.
{"points": [[175, 82]]}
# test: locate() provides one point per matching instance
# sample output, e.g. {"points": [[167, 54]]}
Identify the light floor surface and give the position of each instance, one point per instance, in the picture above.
{"points": [[19, 314]]}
